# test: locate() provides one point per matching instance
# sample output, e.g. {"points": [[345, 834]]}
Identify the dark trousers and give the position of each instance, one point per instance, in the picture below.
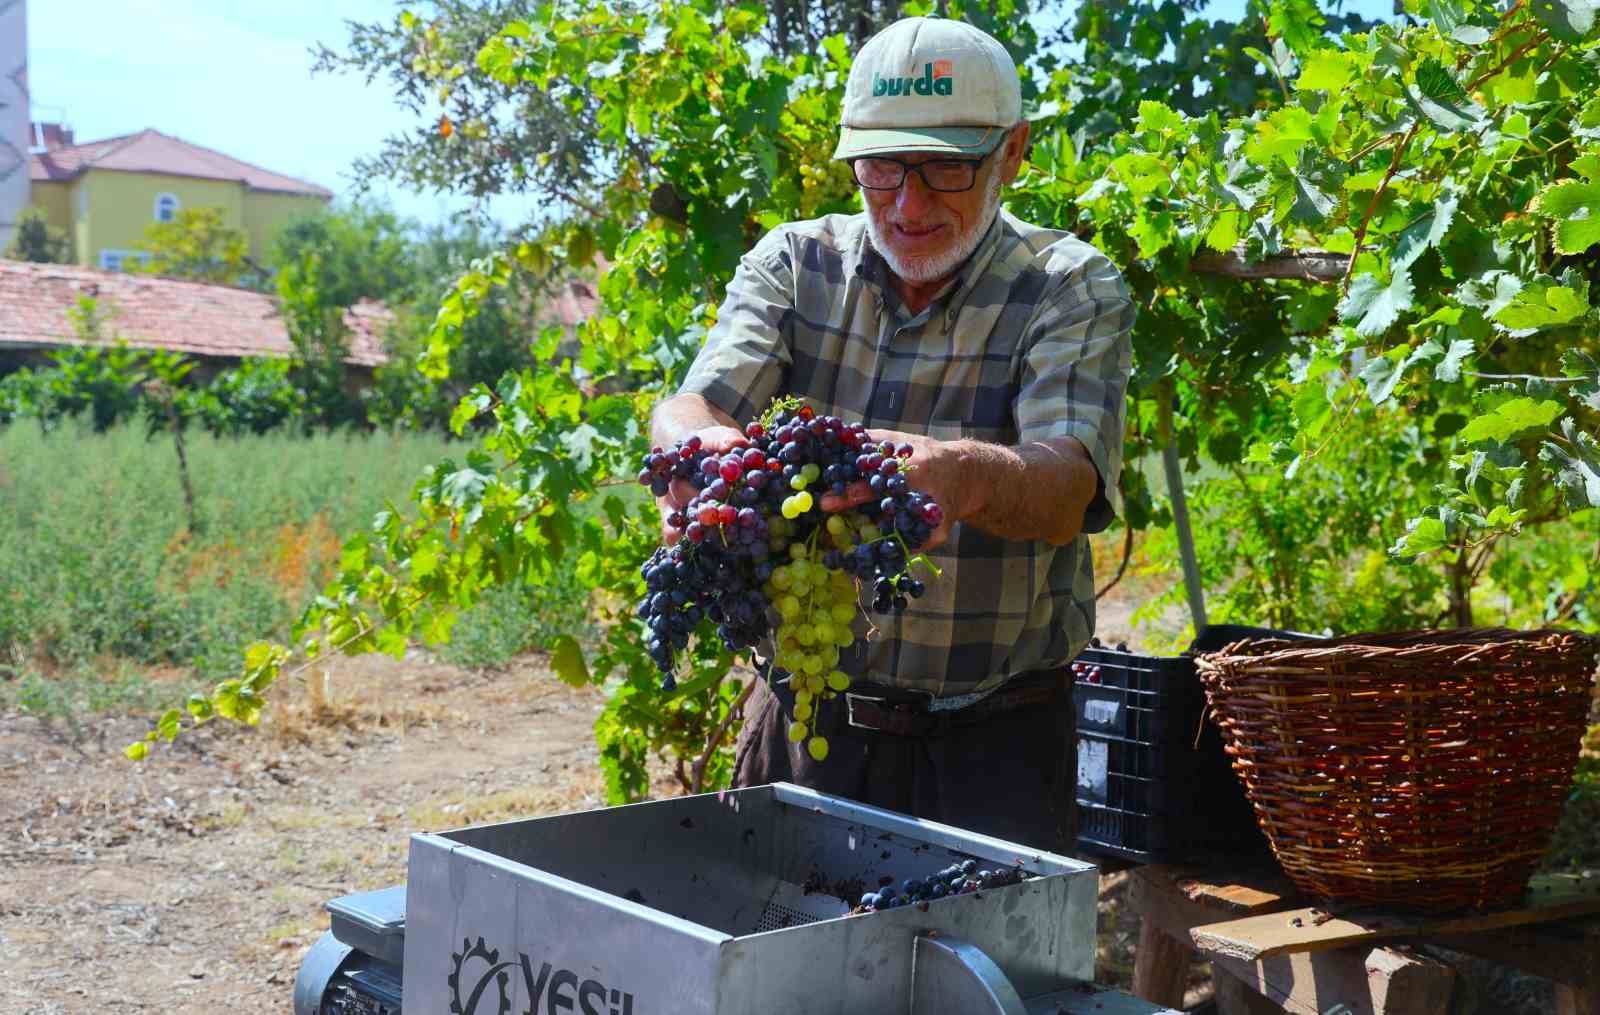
{"points": [[1010, 775]]}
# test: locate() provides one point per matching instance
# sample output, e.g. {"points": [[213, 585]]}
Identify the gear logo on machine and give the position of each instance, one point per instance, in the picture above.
{"points": [[480, 984]]}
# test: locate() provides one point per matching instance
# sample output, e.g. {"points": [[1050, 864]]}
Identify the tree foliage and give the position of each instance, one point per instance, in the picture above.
{"points": [[199, 245], [1371, 448], [35, 239]]}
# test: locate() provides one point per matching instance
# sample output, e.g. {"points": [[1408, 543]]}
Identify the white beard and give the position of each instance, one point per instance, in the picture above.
{"points": [[930, 268]]}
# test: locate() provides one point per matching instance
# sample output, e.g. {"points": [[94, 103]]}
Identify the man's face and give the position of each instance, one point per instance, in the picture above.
{"points": [[925, 234]]}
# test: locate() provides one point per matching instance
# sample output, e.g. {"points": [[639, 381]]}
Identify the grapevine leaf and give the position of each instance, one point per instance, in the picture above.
{"points": [[1449, 368], [137, 751], [1437, 95], [1326, 70], [1423, 535], [1578, 468], [1428, 231], [1575, 205], [1158, 118], [1373, 305], [1512, 419], [1568, 20], [1491, 292], [199, 707], [566, 658], [1544, 304], [391, 642], [167, 726], [1381, 376], [1311, 411], [1451, 19]]}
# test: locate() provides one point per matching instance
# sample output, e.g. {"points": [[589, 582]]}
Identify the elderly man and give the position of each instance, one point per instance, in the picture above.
{"points": [[1000, 352]]}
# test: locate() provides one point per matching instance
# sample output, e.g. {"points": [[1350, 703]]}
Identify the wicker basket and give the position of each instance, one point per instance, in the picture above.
{"points": [[1421, 769]]}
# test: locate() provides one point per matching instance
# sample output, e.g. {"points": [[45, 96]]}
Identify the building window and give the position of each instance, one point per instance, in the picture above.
{"points": [[166, 207], [117, 260]]}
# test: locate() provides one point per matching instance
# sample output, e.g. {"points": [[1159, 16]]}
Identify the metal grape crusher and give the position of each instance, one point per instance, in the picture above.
{"points": [[722, 903]]}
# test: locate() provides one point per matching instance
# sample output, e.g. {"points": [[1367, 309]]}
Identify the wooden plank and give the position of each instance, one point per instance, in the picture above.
{"points": [[1570, 1001], [1236, 997], [1313, 929], [1160, 966], [1383, 981]]}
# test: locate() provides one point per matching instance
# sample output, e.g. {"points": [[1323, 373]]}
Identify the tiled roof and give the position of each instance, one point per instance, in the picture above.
{"points": [[162, 313], [151, 151]]}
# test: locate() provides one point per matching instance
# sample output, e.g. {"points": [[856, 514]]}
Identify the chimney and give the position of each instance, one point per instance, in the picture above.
{"points": [[47, 137], [16, 132]]}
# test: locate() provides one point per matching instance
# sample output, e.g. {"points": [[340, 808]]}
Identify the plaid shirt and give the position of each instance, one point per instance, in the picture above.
{"points": [[1029, 341]]}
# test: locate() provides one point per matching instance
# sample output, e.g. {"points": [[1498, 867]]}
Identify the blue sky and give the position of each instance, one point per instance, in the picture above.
{"points": [[235, 75]]}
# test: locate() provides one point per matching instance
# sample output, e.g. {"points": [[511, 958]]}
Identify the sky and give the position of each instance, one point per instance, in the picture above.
{"points": [[235, 75]]}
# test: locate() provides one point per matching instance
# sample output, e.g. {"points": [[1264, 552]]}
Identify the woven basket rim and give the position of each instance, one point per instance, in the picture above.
{"points": [[1464, 640]]}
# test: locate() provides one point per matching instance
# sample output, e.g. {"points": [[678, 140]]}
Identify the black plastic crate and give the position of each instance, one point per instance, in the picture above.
{"points": [[1154, 783]]}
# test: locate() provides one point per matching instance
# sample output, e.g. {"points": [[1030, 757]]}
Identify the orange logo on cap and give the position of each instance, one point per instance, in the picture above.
{"points": [[943, 68]]}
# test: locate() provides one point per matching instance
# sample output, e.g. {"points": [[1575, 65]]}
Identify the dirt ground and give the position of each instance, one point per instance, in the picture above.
{"points": [[195, 881]]}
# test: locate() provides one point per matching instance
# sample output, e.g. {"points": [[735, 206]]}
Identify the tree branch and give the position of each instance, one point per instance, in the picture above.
{"points": [[1304, 265], [1372, 205], [714, 741]]}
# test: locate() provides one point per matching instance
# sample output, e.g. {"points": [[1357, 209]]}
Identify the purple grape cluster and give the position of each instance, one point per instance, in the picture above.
{"points": [[757, 551]]}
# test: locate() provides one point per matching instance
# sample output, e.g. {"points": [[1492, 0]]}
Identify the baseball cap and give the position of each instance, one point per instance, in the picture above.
{"points": [[929, 84]]}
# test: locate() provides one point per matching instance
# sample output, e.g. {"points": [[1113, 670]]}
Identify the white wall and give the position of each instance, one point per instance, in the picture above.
{"points": [[15, 131]]}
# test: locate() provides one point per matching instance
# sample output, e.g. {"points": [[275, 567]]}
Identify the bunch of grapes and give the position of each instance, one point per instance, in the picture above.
{"points": [[759, 557], [957, 879]]}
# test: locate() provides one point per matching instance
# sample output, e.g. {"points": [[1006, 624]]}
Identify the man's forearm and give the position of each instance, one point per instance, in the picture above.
{"points": [[679, 416], [1038, 490]]}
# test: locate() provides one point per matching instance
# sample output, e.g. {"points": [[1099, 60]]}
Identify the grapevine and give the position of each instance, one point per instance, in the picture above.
{"points": [[758, 556]]}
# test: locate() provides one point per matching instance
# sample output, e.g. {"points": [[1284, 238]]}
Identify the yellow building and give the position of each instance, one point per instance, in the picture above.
{"points": [[105, 193]]}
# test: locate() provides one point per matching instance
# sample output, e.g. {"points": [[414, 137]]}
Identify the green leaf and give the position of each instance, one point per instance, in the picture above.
{"points": [[391, 642], [1428, 231], [1423, 535], [167, 726], [1575, 205], [1437, 95], [1449, 368], [1512, 419], [1311, 412], [1451, 20], [1375, 306], [1158, 118], [566, 658], [137, 751], [1568, 20], [1543, 304], [1577, 466], [1381, 375], [199, 707], [1326, 70]]}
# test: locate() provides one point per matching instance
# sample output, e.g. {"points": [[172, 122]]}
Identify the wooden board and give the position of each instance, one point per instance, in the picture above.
{"points": [[1382, 981], [1305, 929]]}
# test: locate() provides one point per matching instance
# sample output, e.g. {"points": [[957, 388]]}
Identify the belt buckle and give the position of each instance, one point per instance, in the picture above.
{"points": [[850, 699]]}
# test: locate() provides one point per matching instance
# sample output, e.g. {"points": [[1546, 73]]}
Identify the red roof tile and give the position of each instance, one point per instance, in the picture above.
{"points": [[162, 313], [151, 151]]}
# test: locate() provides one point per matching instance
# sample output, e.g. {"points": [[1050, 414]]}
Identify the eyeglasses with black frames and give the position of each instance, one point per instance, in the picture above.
{"points": [[950, 176]]}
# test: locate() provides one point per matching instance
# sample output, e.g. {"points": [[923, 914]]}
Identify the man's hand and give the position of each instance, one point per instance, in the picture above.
{"points": [[935, 469], [716, 439]]}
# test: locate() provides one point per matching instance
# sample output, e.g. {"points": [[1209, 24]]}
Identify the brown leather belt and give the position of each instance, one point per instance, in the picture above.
{"points": [[908, 718]]}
